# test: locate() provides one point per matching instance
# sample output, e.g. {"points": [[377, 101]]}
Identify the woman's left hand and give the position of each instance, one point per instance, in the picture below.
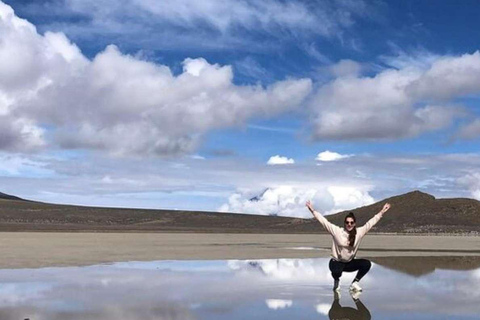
{"points": [[386, 207]]}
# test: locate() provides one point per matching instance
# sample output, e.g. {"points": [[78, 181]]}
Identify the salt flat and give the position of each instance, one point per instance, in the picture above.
{"points": [[44, 249]]}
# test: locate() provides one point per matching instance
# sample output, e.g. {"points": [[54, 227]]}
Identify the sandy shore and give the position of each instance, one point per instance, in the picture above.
{"points": [[34, 250]]}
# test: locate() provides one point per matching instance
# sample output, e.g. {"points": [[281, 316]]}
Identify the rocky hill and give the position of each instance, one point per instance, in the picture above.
{"points": [[20, 215], [4, 196], [418, 212], [414, 212]]}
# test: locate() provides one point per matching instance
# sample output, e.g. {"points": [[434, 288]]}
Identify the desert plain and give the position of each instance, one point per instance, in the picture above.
{"points": [[52, 249]]}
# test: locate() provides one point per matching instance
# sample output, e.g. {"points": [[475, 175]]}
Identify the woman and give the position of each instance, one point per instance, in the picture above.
{"points": [[348, 313], [345, 245]]}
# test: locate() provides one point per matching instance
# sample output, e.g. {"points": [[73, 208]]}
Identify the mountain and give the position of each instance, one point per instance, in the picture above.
{"points": [[25, 215], [414, 212], [418, 212], [4, 196], [260, 196]]}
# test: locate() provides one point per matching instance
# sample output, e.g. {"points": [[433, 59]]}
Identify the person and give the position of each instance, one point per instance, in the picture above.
{"points": [[347, 313], [345, 245]]}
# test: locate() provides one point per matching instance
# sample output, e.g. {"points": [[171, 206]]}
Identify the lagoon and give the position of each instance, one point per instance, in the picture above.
{"points": [[395, 288]]}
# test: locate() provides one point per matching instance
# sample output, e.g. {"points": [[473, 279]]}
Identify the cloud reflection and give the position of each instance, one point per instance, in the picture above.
{"points": [[278, 303], [269, 289]]}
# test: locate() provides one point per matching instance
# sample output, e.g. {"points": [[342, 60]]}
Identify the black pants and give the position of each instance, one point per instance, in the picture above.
{"points": [[339, 312], [337, 267]]}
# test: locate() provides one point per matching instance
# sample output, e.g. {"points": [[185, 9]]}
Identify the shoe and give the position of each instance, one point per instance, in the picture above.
{"points": [[336, 286], [355, 287], [355, 295]]}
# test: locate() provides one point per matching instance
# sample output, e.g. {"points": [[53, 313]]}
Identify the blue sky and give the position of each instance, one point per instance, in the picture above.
{"points": [[203, 105]]}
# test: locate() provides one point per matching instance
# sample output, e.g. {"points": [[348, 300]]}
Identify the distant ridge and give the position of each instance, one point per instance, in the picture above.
{"points": [[413, 212], [9, 197], [419, 212]]}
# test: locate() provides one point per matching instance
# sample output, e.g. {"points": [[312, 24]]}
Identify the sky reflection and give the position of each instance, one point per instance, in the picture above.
{"points": [[262, 289]]}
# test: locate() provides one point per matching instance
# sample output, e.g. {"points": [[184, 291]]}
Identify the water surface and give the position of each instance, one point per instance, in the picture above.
{"points": [[395, 288]]}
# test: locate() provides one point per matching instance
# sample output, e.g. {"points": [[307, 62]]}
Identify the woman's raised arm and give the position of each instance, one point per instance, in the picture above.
{"points": [[373, 221], [330, 227]]}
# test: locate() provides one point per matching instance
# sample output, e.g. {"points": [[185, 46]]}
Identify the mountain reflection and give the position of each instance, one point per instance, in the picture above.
{"points": [[277, 289], [419, 266], [107, 313], [413, 266]]}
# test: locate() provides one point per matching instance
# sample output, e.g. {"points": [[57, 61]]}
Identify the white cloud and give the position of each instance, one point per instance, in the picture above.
{"points": [[52, 95], [251, 68], [227, 184], [276, 304], [195, 66], [22, 166], [290, 201], [472, 182], [122, 181], [448, 77], [345, 68], [304, 270], [420, 58], [470, 130], [117, 102], [197, 157], [395, 103], [349, 198], [278, 160], [20, 134], [323, 308], [225, 14], [201, 24], [331, 156]]}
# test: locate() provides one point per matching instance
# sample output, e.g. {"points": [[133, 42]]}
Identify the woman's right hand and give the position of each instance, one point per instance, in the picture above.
{"points": [[309, 206]]}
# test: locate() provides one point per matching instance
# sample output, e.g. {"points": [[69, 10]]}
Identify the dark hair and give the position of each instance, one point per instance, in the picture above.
{"points": [[353, 233]]}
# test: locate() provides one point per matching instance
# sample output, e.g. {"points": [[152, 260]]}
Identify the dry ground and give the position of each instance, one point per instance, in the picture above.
{"points": [[44, 249]]}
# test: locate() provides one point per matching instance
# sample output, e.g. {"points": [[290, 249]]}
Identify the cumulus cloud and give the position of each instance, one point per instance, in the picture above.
{"points": [[346, 197], [394, 103], [290, 201], [276, 160], [331, 156], [20, 134], [304, 270], [323, 308], [276, 304], [448, 77], [470, 130], [51, 93], [345, 68], [472, 182]]}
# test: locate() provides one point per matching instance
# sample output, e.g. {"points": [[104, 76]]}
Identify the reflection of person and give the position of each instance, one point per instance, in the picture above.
{"points": [[345, 245], [348, 313]]}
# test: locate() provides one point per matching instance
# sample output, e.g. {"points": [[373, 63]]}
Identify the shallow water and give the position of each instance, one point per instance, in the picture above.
{"points": [[410, 288]]}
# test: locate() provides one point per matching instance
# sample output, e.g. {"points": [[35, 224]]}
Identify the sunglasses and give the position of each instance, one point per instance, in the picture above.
{"points": [[350, 222]]}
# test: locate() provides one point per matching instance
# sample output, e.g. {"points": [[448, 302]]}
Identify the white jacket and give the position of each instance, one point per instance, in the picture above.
{"points": [[341, 251]]}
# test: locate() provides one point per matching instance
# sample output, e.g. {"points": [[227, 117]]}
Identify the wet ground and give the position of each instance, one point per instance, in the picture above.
{"points": [[395, 288]]}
